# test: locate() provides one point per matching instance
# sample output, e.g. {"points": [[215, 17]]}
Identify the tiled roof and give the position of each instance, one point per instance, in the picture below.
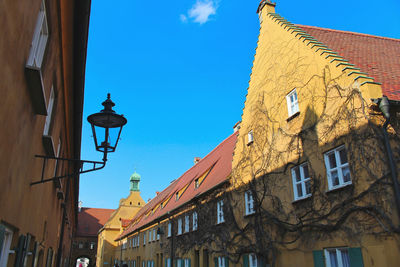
{"points": [[377, 56], [90, 220], [217, 166]]}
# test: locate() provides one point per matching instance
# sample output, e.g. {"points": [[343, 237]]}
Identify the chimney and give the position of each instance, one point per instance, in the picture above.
{"points": [[270, 7], [80, 206], [196, 160], [236, 127]]}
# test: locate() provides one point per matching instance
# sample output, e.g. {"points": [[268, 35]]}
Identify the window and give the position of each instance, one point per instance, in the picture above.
{"points": [[179, 226], [50, 108], [337, 168], [92, 245], [149, 232], [144, 238], [186, 223], [220, 211], [167, 262], [187, 263], [194, 221], [249, 202], [6, 235], [143, 263], [154, 234], [250, 137], [292, 103], [252, 260], [179, 263], [196, 183], [177, 196], [337, 257], [80, 245], [221, 261], [301, 181], [169, 229], [39, 39]]}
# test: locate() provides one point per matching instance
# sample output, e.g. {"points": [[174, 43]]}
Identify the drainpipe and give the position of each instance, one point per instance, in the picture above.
{"points": [[384, 106]]}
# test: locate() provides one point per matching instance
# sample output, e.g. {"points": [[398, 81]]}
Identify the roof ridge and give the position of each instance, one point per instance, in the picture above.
{"points": [[96, 208], [350, 32]]}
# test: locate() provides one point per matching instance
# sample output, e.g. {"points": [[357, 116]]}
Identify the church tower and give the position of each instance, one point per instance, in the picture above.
{"points": [[135, 179]]}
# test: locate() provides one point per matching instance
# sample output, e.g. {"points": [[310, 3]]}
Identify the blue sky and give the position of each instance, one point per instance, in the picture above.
{"points": [[178, 71]]}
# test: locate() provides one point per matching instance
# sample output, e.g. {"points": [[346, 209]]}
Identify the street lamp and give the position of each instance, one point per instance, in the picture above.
{"points": [[106, 120]]}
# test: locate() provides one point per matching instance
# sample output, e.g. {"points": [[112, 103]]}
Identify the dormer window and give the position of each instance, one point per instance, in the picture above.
{"points": [[177, 196], [196, 183]]}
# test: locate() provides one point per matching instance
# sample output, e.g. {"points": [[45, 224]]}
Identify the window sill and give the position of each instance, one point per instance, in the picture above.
{"points": [[300, 200], [343, 187], [293, 116], [249, 215]]}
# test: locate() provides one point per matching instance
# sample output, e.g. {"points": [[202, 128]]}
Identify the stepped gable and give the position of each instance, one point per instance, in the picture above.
{"points": [[218, 164], [377, 56], [91, 220]]}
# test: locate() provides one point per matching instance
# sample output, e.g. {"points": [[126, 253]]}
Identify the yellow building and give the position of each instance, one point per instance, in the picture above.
{"points": [[310, 164], [128, 207], [312, 180], [43, 58]]}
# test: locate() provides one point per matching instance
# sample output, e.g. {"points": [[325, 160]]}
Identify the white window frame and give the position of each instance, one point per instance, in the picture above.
{"points": [[144, 238], [154, 234], [249, 202], [50, 108], [179, 226], [252, 260], [5, 251], [220, 211], [292, 103], [339, 168], [339, 256], [39, 40], [194, 221], [221, 261], [187, 219], [186, 262], [250, 137], [303, 180], [169, 229]]}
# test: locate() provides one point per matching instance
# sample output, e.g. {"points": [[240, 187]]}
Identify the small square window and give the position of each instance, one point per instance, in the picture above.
{"points": [[249, 202], [250, 137], [337, 166], [292, 103], [301, 181]]}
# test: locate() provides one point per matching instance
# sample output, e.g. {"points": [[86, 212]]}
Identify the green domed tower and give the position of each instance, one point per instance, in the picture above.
{"points": [[135, 179]]}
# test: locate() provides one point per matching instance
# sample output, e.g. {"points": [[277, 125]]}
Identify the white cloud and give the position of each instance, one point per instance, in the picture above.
{"points": [[201, 11], [183, 18]]}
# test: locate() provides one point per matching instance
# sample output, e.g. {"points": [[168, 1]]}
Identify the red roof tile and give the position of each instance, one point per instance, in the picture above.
{"points": [[220, 162], [377, 56], [90, 220], [125, 222]]}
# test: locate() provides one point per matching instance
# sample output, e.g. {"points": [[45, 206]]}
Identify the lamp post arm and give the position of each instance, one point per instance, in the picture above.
{"points": [[96, 165]]}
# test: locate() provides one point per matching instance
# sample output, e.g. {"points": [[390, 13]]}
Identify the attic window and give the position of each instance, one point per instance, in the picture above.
{"points": [[196, 183], [162, 205], [177, 196], [250, 137]]}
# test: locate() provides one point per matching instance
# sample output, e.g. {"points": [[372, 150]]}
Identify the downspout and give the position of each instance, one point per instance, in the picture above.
{"points": [[384, 106]]}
